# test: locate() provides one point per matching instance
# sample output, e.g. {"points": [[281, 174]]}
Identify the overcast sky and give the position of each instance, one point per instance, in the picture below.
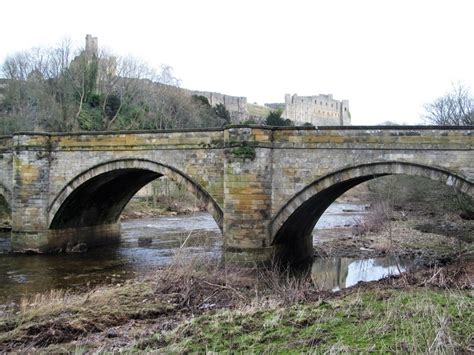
{"points": [[387, 58]]}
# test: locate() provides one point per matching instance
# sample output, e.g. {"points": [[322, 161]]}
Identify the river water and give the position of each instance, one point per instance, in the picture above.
{"points": [[149, 243]]}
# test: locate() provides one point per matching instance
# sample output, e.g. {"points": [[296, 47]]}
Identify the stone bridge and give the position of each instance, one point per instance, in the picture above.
{"points": [[266, 187]]}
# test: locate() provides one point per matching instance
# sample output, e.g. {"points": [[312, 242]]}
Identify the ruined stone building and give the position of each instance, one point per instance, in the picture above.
{"points": [[92, 46], [236, 105], [320, 110]]}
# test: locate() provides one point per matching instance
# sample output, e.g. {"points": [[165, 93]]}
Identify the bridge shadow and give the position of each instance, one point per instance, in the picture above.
{"points": [[101, 200], [88, 209], [293, 225]]}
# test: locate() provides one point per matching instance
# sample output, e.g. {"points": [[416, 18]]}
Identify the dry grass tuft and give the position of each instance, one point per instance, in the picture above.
{"points": [[374, 221], [193, 284], [200, 282]]}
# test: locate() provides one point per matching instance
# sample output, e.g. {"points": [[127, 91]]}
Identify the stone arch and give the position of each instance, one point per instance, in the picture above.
{"points": [[112, 184], [292, 226]]}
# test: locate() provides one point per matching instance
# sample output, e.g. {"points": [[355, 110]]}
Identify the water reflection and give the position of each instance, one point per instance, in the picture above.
{"points": [[337, 273], [146, 244], [341, 215], [24, 275]]}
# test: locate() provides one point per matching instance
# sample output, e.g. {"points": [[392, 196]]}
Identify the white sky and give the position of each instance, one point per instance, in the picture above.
{"points": [[387, 58]]}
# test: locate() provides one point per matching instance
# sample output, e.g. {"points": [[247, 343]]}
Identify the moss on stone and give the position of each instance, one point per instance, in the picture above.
{"points": [[244, 152]]}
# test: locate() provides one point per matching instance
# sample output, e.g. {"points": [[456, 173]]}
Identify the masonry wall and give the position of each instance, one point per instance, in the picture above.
{"points": [[43, 165], [237, 106], [30, 182], [302, 156], [199, 155], [247, 193], [320, 110], [6, 166], [251, 172]]}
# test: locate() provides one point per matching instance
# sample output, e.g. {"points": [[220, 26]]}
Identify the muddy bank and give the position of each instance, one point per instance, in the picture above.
{"points": [[139, 208], [196, 305], [148, 243], [413, 233]]}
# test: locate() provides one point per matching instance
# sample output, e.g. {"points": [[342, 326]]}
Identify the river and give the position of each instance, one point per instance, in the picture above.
{"points": [[150, 243]]}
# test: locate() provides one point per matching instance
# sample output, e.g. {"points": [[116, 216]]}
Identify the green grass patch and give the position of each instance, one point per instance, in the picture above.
{"points": [[380, 320], [257, 110]]}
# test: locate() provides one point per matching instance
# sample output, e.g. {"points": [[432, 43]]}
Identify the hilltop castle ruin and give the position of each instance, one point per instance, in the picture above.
{"points": [[320, 110], [92, 46], [236, 105]]}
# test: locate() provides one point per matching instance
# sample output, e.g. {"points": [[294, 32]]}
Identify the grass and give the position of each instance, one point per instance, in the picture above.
{"points": [[381, 320], [59, 316], [257, 110], [197, 304]]}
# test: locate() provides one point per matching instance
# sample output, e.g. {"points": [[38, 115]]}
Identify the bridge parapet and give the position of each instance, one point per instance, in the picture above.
{"points": [[129, 141], [375, 138]]}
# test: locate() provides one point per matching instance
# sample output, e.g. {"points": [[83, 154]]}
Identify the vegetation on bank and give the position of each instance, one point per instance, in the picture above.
{"points": [[410, 320], [406, 216], [62, 89], [274, 118], [162, 197], [60, 317], [455, 108], [197, 305], [417, 203], [415, 193], [257, 110]]}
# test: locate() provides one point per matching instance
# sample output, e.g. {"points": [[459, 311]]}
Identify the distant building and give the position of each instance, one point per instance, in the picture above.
{"points": [[236, 105], [92, 46], [106, 65], [320, 110]]}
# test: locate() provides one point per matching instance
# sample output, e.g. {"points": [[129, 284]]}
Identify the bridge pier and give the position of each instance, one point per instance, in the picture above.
{"points": [[247, 195], [31, 230], [65, 240], [30, 189]]}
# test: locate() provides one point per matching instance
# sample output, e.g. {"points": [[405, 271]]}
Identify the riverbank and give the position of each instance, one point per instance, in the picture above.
{"points": [[141, 208], [196, 305], [425, 232]]}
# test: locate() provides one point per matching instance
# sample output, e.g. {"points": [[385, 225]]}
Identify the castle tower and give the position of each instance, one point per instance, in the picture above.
{"points": [[92, 45], [319, 110]]}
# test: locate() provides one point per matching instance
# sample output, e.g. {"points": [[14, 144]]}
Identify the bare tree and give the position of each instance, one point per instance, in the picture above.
{"points": [[38, 92], [456, 108], [54, 89]]}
